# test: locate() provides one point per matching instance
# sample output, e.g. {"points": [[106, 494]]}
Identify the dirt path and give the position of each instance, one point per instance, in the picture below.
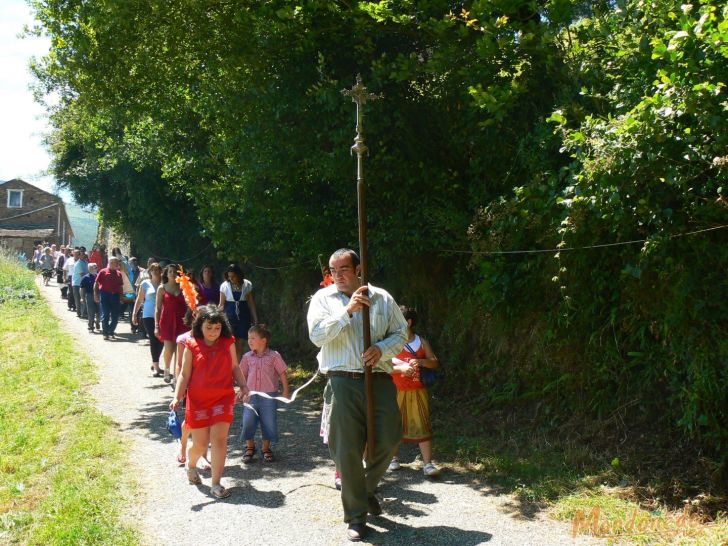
{"points": [[291, 501]]}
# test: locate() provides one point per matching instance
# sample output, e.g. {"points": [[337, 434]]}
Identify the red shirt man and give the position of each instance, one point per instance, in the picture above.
{"points": [[108, 288], [109, 279]]}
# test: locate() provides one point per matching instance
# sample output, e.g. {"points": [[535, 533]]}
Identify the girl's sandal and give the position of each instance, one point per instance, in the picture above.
{"points": [[181, 459], [248, 455], [193, 476], [268, 456], [218, 491]]}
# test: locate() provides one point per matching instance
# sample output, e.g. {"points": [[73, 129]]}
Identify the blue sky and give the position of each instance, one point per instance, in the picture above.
{"points": [[22, 154]]}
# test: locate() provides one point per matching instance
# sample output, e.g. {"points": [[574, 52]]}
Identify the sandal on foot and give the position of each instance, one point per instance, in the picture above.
{"points": [[181, 459], [167, 377], [248, 455], [268, 456], [193, 476], [219, 491]]}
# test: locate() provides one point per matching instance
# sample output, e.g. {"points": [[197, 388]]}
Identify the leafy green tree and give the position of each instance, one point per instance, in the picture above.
{"points": [[644, 161], [505, 124]]}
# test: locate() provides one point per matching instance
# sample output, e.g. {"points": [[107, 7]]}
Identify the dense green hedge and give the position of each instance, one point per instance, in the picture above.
{"points": [[506, 125]]}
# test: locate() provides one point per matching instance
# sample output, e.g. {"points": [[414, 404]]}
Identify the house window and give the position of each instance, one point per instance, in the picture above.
{"points": [[15, 199]]}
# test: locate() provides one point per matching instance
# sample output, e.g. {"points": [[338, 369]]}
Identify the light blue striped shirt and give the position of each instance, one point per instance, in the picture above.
{"points": [[80, 268], [340, 336]]}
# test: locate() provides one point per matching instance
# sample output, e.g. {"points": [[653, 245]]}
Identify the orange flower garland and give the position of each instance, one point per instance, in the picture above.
{"points": [[328, 279], [326, 273], [188, 289]]}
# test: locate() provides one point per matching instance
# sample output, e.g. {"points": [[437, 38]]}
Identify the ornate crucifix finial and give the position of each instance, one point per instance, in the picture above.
{"points": [[359, 95]]}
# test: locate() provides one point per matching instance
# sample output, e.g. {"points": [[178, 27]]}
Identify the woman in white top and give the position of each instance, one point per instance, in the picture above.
{"points": [[236, 299], [146, 300]]}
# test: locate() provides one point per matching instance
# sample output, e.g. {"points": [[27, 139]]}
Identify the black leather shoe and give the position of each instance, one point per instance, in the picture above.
{"points": [[373, 506], [356, 531]]}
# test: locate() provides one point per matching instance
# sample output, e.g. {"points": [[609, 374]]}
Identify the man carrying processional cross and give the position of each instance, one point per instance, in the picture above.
{"points": [[359, 329], [335, 325]]}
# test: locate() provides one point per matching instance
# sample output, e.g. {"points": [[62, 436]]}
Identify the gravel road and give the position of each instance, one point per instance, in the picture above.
{"points": [[291, 501]]}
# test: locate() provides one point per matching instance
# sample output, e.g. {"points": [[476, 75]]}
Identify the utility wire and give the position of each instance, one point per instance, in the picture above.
{"points": [[30, 212], [273, 268], [475, 252], [170, 260], [604, 245]]}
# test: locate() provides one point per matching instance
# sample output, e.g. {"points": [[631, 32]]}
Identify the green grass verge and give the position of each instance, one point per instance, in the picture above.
{"points": [[62, 478], [572, 482], [603, 513]]}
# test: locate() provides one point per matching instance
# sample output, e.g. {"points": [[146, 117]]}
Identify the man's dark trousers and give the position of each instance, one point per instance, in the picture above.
{"points": [[348, 436], [80, 307], [110, 305]]}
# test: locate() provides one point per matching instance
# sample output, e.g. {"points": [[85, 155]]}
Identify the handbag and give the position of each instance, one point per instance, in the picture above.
{"points": [[128, 290], [173, 425], [427, 375]]}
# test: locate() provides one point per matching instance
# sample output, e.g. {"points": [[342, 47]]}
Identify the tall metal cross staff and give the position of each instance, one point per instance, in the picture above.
{"points": [[360, 96]]}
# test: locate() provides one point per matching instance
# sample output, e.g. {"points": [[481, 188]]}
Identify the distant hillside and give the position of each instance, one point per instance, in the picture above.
{"points": [[84, 225]]}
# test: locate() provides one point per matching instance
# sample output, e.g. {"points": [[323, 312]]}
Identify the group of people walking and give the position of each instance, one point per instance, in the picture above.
{"points": [[202, 345], [191, 344], [199, 348], [93, 284]]}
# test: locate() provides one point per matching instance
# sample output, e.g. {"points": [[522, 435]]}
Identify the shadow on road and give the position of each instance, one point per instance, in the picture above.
{"points": [[298, 429], [242, 495], [385, 531], [398, 484]]}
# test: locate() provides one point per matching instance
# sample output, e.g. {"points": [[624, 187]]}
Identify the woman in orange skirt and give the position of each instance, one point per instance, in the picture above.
{"points": [[208, 368], [412, 396]]}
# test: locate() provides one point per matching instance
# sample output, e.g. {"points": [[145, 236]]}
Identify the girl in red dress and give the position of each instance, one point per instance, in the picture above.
{"points": [[208, 369]]}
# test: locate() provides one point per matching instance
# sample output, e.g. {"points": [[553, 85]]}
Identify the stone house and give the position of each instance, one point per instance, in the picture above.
{"points": [[30, 216]]}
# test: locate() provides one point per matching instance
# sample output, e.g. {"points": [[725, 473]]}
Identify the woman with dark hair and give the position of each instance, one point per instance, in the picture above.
{"points": [[209, 366], [236, 298], [146, 301], [208, 287], [170, 309]]}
